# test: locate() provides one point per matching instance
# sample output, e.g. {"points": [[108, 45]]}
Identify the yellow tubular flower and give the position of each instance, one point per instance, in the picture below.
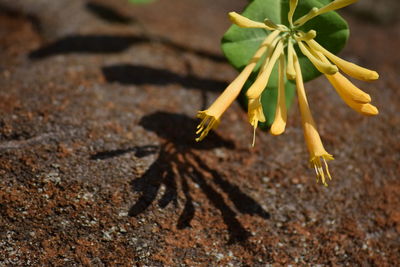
{"points": [[244, 22], [349, 68], [337, 4], [313, 12], [323, 67], [346, 87], [268, 57], [275, 26], [292, 9], [262, 80], [279, 124], [210, 117], [349, 89], [255, 115], [351, 95], [306, 36], [290, 72], [272, 48], [317, 151], [263, 47]]}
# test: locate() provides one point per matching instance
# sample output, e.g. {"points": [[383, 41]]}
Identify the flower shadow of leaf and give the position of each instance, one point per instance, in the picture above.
{"points": [[106, 44], [140, 74], [178, 165]]}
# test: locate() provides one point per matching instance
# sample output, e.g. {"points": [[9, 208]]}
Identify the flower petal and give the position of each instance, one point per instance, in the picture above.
{"points": [[207, 123], [255, 115], [255, 112]]}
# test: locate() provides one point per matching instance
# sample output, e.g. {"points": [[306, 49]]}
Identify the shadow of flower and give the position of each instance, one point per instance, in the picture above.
{"points": [[178, 165]]}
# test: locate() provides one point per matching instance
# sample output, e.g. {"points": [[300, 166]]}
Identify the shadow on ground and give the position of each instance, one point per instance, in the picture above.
{"points": [[108, 14], [178, 166], [138, 75], [101, 44]]}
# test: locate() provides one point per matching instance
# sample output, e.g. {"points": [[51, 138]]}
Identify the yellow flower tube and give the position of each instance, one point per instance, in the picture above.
{"points": [[244, 22], [262, 80], [349, 68], [211, 117], [348, 89], [355, 98], [318, 154], [279, 124], [292, 9], [341, 85], [337, 4], [311, 14], [290, 72], [323, 67], [302, 36]]}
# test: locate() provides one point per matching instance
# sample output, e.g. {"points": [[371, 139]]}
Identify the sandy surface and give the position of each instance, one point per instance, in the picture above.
{"points": [[98, 165]]}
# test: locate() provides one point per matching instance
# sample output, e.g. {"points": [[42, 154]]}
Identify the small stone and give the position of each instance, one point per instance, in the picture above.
{"points": [[123, 214]]}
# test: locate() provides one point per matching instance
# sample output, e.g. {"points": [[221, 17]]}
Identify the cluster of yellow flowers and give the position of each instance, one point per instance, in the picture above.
{"points": [[278, 46]]}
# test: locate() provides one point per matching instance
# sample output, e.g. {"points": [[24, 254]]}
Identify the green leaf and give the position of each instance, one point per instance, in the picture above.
{"points": [[239, 44], [325, 2], [140, 1]]}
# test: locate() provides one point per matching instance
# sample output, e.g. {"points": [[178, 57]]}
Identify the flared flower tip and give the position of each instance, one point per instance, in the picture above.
{"points": [[208, 122], [255, 114], [322, 170]]}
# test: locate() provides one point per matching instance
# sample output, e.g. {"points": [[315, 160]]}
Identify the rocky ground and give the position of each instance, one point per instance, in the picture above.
{"points": [[98, 165]]}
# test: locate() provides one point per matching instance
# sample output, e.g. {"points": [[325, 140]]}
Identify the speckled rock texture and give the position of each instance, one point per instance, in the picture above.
{"points": [[98, 164]]}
